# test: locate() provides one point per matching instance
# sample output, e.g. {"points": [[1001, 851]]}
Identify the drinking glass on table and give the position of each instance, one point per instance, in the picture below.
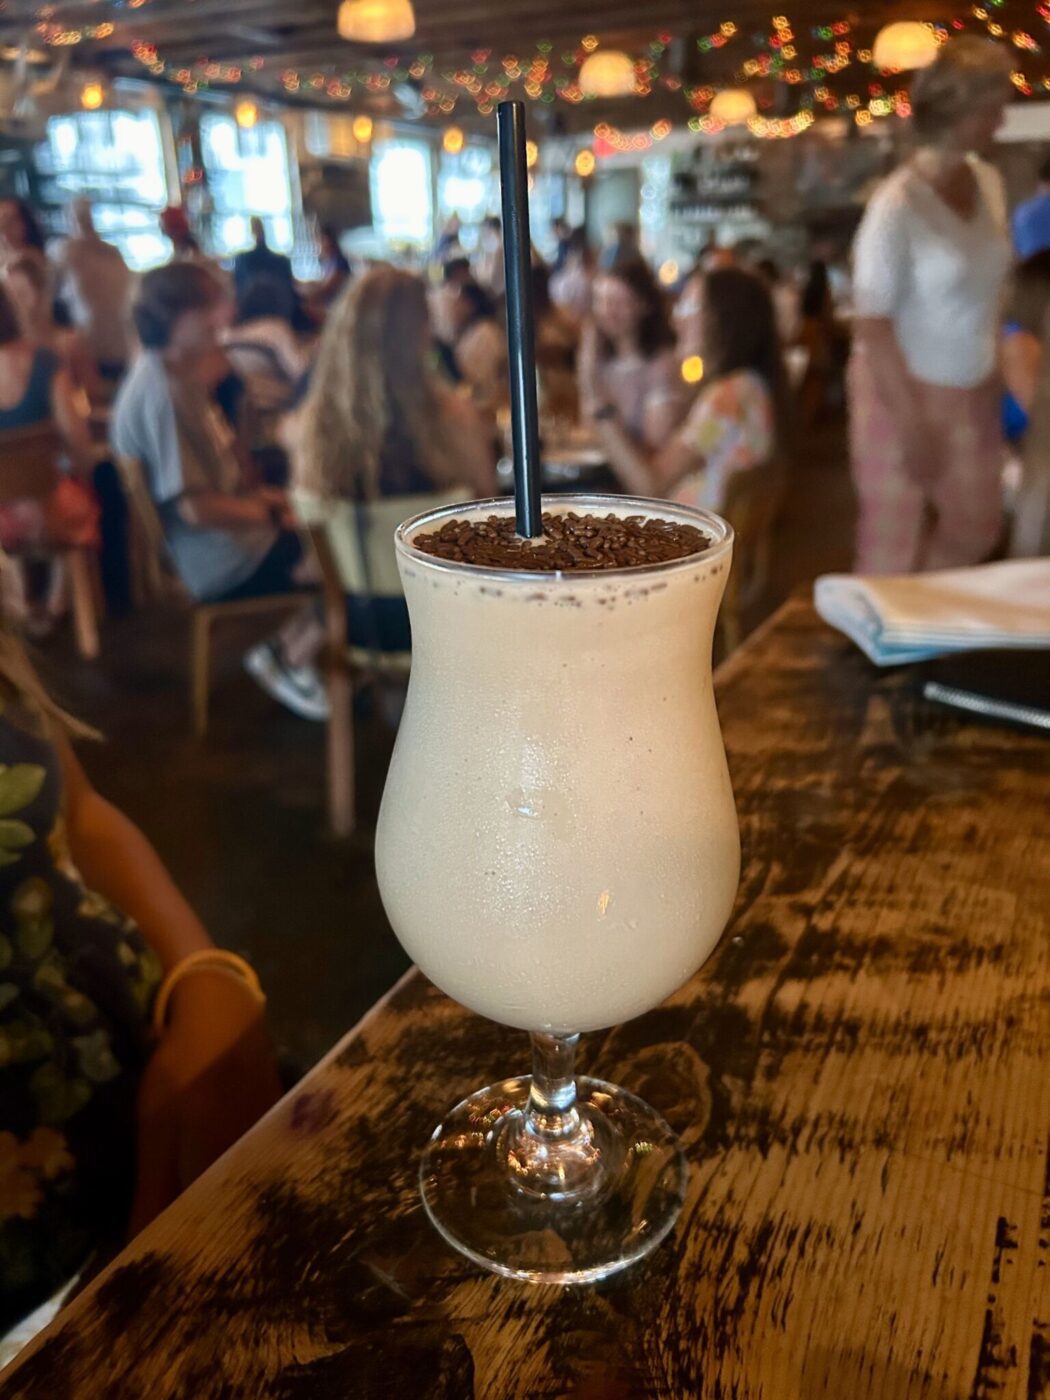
{"points": [[558, 850]]}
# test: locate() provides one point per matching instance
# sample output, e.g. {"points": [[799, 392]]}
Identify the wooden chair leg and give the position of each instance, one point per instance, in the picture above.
{"points": [[200, 670], [342, 813], [85, 620], [98, 592], [137, 567]]}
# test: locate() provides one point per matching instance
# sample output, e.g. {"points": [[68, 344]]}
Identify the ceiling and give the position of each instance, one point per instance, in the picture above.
{"points": [[290, 49]]}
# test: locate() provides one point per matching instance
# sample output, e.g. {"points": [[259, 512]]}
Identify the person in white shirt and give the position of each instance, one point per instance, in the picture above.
{"points": [[930, 263]]}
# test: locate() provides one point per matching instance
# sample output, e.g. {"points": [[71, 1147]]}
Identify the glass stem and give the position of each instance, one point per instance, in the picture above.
{"points": [[551, 1113], [553, 1151]]}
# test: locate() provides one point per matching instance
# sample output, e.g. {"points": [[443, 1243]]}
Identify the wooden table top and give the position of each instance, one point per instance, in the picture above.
{"points": [[860, 1075]]}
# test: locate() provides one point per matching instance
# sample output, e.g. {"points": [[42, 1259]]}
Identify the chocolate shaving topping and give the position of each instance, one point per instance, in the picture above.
{"points": [[570, 543]]}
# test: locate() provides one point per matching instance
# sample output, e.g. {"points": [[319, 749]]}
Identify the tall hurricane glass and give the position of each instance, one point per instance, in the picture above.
{"points": [[558, 850]]}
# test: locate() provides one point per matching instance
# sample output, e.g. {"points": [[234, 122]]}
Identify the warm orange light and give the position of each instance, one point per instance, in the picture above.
{"points": [[376, 21], [733, 106], [362, 129], [607, 73], [584, 163], [452, 140], [246, 114], [905, 45], [92, 96], [532, 153], [668, 273], [693, 369]]}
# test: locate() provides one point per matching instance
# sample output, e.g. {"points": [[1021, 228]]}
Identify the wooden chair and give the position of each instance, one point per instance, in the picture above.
{"points": [[752, 504], [354, 547], [154, 578], [29, 471]]}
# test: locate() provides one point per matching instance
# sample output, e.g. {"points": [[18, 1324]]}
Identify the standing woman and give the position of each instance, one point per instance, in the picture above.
{"points": [[930, 262]]}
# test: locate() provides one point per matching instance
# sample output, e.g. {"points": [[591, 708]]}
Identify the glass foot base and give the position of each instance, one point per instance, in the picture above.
{"points": [[525, 1214]]}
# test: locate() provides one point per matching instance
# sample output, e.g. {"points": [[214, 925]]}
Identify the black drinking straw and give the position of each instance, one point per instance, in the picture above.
{"points": [[521, 337]]}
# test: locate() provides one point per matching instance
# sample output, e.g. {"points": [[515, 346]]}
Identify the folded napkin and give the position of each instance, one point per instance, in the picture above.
{"points": [[915, 616]]}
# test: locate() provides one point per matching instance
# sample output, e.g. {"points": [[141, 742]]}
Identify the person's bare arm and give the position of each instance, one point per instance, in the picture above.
{"points": [[293, 355], [666, 402], [214, 510], [1021, 360], [212, 1073], [893, 379], [70, 410], [644, 472], [116, 860], [661, 415], [473, 464], [587, 372]]}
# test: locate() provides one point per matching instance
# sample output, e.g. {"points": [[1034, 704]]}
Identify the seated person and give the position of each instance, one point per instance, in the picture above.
{"points": [[733, 424], [27, 284], [263, 345], [226, 541], [1026, 372], [35, 388], [103, 1120], [334, 267], [1021, 349], [572, 282], [272, 362], [379, 421], [479, 345], [556, 338], [627, 356]]}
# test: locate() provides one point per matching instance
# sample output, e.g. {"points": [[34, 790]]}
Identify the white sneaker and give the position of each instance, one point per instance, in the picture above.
{"points": [[298, 688]]}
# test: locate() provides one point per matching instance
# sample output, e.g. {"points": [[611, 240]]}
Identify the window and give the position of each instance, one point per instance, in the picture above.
{"points": [[468, 184], [402, 207], [247, 173], [116, 159]]}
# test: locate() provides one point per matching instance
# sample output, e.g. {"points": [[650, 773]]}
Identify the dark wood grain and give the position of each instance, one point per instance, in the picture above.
{"points": [[861, 1077]]}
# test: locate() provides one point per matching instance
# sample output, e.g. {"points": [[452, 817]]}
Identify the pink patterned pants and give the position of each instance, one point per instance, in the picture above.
{"points": [[930, 505]]}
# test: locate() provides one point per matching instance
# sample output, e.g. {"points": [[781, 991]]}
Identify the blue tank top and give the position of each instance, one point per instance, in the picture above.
{"points": [[35, 404]]}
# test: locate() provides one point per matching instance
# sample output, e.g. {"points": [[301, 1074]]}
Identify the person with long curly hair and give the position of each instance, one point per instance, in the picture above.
{"points": [[380, 421]]}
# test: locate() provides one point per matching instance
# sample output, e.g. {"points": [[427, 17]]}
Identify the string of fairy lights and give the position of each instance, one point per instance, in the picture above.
{"points": [[812, 62]]}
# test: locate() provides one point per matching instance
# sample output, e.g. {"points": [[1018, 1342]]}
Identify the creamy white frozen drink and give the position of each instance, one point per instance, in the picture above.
{"points": [[557, 846]]}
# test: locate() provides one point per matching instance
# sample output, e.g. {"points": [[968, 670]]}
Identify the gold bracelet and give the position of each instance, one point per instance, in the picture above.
{"points": [[207, 960]]}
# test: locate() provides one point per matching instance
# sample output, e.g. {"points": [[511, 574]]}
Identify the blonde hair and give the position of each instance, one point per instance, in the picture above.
{"points": [[21, 683], [966, 72], [372, 381], [18, 680]]}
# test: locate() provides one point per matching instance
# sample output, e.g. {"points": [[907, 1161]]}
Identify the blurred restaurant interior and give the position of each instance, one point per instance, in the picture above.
{"points": [[792, 268]]}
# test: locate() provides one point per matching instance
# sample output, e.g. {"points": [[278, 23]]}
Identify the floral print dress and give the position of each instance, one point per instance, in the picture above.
{"points": [[732, 427], [76, 988]]}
